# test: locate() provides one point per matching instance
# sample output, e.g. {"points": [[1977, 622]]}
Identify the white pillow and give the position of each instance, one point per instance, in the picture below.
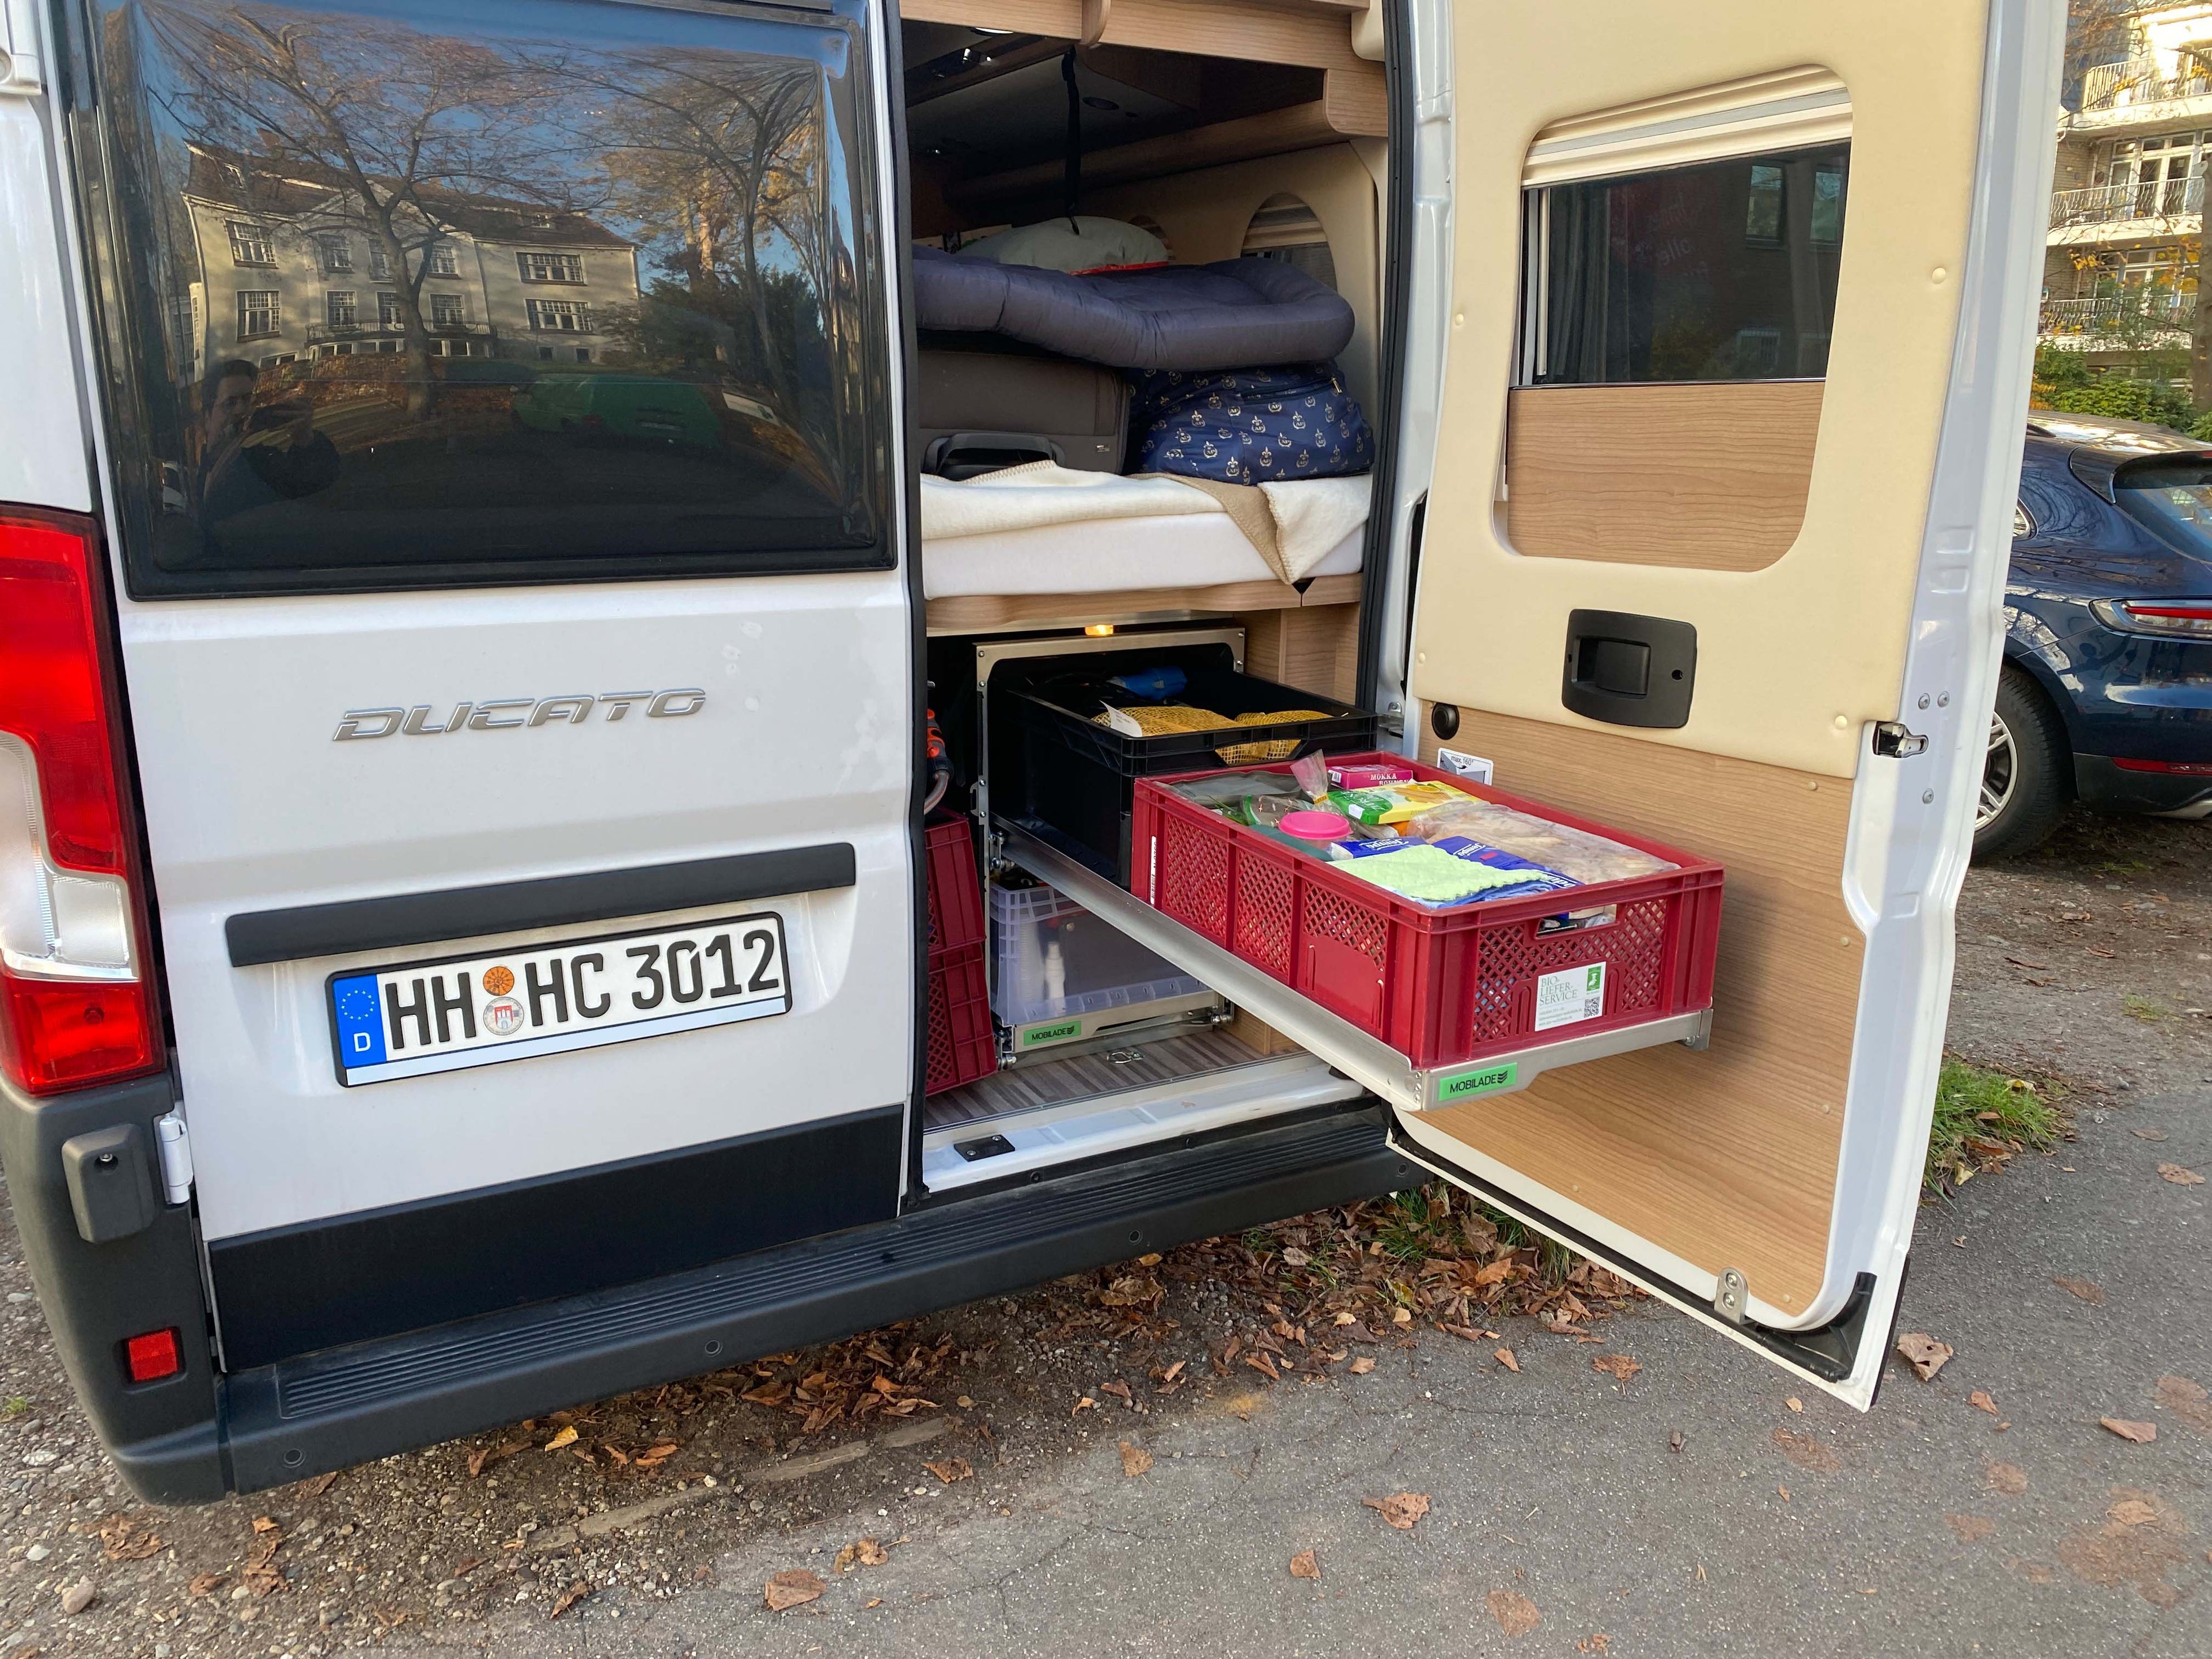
{"points": [[1051, 245]]}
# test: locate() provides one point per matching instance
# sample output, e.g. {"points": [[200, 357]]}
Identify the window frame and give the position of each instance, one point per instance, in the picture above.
{"points": [[246, 231], [275, 309]]}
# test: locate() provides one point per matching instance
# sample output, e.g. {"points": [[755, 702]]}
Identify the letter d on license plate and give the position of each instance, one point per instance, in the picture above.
{"points": [[580, 994]]}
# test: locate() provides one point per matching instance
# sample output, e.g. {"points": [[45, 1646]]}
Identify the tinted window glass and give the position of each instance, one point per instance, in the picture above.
{"points": [[1722, 271], [409, 294], [2174, 500]]}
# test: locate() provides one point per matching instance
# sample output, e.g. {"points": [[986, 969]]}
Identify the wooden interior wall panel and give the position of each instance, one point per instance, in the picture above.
{"points": [[1710, 476], [986, 612], [1316, 36], [1726, 1157], [1314, 648]]}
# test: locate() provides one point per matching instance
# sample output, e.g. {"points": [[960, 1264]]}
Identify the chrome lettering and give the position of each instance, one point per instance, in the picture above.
{"points": [[663, 706], [350, 723], [575, 710], [616, 703], [482, 720]]}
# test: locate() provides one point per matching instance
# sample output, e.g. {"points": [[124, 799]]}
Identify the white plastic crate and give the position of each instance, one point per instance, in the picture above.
{"points": [[1058, 962]]}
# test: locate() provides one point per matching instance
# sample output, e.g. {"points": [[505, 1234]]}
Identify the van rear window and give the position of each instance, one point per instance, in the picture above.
{"points": [[404, 295]]}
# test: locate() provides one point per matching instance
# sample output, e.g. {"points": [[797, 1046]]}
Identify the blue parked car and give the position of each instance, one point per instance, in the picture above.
{"points": [[2106, 691]]}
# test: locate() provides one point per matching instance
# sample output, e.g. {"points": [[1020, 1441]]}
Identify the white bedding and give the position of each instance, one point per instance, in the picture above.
{"points": [[1048, 529], [1110, 556]]}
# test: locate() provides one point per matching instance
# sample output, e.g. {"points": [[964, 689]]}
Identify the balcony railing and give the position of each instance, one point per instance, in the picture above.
{"points": [[2105, 204], [319, 333], [2138, 80], [2119, 315]]}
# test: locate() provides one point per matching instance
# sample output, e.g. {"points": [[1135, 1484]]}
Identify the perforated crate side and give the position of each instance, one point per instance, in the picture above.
{"points": [[956, 897], [962, 1046]]}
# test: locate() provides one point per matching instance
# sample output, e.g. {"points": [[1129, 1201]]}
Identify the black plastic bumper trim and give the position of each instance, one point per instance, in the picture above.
{"points": [[329, 1411], [377, 1272], [258, 936]]}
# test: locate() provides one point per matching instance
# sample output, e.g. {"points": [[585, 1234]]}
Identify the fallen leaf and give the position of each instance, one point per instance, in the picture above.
{"points": [[1303, 1566], [1172, 1372], [264, 1524], [1515, 1613], [478, 1461], [121, 1540], [2179, 1177], [1401, 1509], [872, 1602], [206, 1583], [2142, 1433], [319, 1485], [794, 1588], [1970, 1529], [951, 1469], [1925, 1353], [1807, 1452], [1505, 1358], [1295, 1257], [1149, 1259], [1261, 1361], [1361, 1366], [2007, 1477], [2187, 1400], [566, 1438], [1619, 1365], [1982, 1400], [1795, 1403], [1118, 1389], [2132, 1512], [1135, 1460], [2148, 1134], [569, 1597], [864, 1552], [1084, 1403], [2086, 1289], [1597, 1642]]}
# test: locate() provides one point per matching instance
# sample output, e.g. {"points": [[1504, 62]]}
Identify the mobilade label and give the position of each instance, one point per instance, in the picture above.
{"points": [[1037, 1035], [1483, 1080]]}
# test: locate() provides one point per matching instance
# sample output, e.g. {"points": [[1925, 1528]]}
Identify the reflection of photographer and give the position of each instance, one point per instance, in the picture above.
{"points": [[251, 457]]}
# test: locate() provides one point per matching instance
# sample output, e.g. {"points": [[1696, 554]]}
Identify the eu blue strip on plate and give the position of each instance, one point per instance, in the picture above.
{"points": [[360, 1020]]}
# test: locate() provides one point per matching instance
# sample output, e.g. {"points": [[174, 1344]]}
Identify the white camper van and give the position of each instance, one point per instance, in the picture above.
{"points": [[609, 609]]}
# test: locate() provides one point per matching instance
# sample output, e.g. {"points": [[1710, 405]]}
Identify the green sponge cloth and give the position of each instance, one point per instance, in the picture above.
{"points": [[1429, 875]]}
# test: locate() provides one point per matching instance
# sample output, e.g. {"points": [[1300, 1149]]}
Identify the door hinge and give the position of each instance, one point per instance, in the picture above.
{"points": [[174, 1141], [1893, 741], [1732, 1296]]}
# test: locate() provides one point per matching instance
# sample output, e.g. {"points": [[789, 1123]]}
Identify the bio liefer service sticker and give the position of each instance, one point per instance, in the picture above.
{"points": [[1570, 995]]}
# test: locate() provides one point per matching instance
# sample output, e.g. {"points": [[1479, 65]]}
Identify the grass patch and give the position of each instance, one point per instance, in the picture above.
{"points": [[13, 1407], [2144, 1009], [1983, 1117]]}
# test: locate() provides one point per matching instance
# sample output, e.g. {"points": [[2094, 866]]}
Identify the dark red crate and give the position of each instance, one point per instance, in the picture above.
{"points": [[961, 1045], [1440, 987], [956, 892]]}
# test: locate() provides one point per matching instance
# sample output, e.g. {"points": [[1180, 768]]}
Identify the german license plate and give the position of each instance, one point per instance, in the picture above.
{"points": [[480, 1010]]}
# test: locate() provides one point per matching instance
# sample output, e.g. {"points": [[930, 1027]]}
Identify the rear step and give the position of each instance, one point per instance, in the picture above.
{"points": [[327, 1410]]}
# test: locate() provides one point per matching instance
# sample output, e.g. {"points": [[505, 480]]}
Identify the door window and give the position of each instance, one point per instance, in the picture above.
{"points": [[706, 180]]}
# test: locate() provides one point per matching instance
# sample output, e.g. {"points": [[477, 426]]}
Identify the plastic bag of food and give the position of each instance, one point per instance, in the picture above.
{"points": [[1576, 852]]}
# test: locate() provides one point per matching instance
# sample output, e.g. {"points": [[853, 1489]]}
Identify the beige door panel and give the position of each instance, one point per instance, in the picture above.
{"points": [[1794, 659], [1728, 1158]]}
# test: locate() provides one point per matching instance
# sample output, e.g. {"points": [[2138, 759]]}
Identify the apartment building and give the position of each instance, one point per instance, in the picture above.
{"points": [[2127, 205], [288, 269]]}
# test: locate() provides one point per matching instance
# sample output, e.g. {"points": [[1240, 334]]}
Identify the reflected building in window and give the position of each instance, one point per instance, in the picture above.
{"points": [[282, 255]]}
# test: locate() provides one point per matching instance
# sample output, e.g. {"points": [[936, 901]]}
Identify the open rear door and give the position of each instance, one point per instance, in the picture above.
{"points": [[1741, 304]]}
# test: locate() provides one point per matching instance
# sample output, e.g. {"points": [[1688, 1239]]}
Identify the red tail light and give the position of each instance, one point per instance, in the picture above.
{"points": [[76, 1007], [2183, 618]]}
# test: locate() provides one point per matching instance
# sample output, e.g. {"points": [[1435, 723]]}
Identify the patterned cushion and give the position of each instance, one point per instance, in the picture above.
{"points": [[1250, 425]]}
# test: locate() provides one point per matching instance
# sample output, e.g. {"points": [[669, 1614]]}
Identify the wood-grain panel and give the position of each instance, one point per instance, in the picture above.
{"points": [[1314, 647], [1727, 1157], [1712, 476], [967, 613]]}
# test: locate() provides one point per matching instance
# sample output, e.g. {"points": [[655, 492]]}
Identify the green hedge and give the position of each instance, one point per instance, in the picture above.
{"points": [[2131, 400]]}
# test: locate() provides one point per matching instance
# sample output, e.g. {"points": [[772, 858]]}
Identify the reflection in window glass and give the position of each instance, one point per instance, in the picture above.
{"points": [[1722, 271], [627, 319], [2173, 499]]}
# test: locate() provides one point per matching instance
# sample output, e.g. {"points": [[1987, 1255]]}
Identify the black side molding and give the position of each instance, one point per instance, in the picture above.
{"points": [[510, 907]]}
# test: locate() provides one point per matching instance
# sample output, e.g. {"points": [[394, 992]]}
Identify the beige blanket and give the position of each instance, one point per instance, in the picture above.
{"points": [[1293, 525]]}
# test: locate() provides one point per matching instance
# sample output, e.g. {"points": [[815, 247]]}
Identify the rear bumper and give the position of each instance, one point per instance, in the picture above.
{"points": [[282, 1422], [2101, 781]]}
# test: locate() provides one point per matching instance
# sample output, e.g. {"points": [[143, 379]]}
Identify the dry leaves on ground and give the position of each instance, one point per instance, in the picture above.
{"points": [[2179, 1177], [566, 1438], [2142, 1433], [950, 1469], [1970, 1529], [1304, 1564], [2086, 1289], [863, 1552], [1597, 1642], [878, 1373], [1401, 1509], [1135, 1460], [1807, 1452], [2187, 1400], [121, 1540], [1983, 1400], [1515, 1613], [1361, 1366], [1505, 1358], [206, 1583], [2148, 1134], [792, 1587], [2007, 1477], [1924, 1353], [569, 1598], [1619, 1365]]}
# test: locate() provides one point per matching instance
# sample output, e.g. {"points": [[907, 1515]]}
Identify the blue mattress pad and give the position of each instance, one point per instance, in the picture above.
{"points": [[1238, 313]]}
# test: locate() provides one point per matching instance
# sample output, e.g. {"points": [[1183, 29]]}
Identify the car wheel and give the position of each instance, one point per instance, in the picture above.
{"points": [[2025, 774]]}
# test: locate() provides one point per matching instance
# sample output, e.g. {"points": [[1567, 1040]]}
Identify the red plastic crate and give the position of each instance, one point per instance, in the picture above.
{"points": [[956, 894], [961, 1045], [1440, 987]]}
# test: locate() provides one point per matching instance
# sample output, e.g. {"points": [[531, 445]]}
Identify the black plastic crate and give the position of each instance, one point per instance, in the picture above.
{"points": [[1070, 781]]}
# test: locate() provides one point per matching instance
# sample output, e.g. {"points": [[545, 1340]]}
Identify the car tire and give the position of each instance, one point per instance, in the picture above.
{"points": [[2027, 777]]}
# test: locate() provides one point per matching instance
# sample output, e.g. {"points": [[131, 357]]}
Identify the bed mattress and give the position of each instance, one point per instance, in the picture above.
{"points": [[1110, 556]]}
